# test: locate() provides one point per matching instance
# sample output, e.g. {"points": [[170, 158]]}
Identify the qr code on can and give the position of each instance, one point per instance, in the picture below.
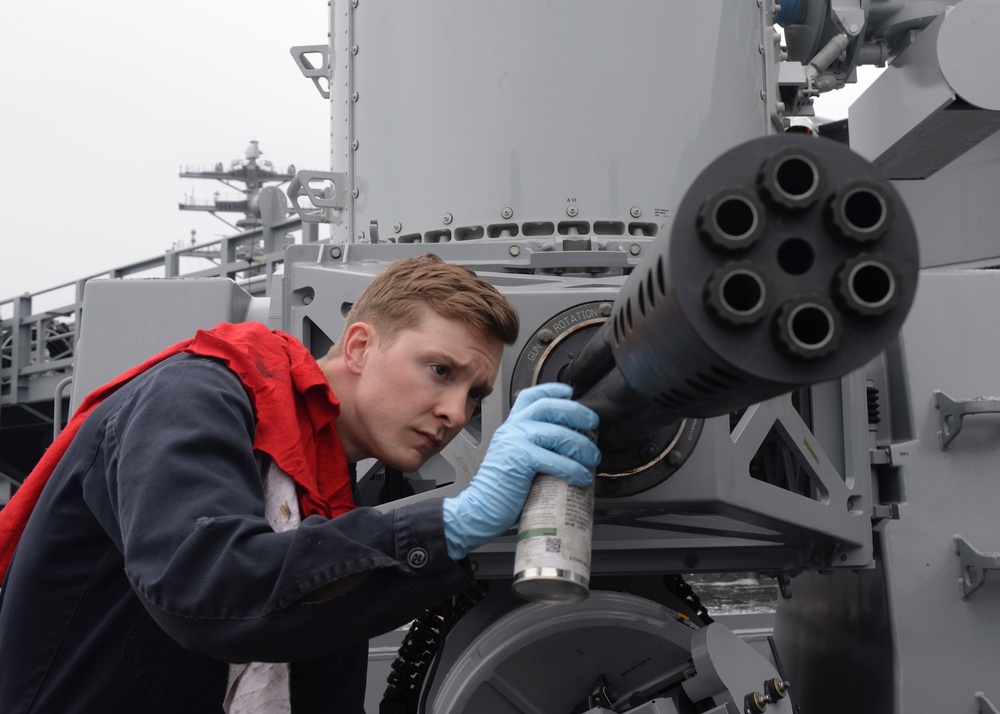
{"points": [[553, 545]]}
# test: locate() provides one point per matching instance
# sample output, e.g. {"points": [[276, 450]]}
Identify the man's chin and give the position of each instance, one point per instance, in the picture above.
{"points": [[407, 465]]}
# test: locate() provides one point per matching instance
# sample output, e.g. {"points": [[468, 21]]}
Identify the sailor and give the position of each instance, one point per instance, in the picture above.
{"points": [[196, 527]]}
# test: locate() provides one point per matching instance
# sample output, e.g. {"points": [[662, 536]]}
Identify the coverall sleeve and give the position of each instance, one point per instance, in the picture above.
{"points": [[188, 499]]}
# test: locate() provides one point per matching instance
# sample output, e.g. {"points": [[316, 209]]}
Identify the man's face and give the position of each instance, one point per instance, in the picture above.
{"points": [[417, 393]]}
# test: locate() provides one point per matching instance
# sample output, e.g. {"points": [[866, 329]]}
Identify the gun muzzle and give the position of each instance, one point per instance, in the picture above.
{"points": [[791, 261]]}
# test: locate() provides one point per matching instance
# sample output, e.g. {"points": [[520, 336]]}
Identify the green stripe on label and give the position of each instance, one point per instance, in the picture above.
{"points": [[535, 532]]}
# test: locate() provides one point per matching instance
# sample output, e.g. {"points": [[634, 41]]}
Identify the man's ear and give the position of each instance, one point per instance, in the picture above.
{"points": [[359, 340]]}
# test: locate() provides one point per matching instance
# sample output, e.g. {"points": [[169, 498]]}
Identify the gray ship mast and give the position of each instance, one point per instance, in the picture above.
{"points": [[248, 176]]}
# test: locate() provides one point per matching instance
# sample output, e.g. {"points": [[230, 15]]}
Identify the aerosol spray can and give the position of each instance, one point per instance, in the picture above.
{"points": [[552, 560]]}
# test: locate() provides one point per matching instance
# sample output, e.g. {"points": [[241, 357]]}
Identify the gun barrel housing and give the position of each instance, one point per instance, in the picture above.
{"points": [[791, 261]]}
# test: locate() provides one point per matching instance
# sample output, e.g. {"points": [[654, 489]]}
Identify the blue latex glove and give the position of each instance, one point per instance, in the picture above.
{"points": [[541, 435]]}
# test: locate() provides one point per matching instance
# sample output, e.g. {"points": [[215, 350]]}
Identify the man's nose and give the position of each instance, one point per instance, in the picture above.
{"points": [[454, 409]]}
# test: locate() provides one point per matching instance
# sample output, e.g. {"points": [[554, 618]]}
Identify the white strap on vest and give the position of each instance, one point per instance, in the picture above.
{"points": [[263, 687]]}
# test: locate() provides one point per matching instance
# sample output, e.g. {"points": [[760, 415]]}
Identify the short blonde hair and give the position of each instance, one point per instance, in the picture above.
{"points": [[395, 296]]}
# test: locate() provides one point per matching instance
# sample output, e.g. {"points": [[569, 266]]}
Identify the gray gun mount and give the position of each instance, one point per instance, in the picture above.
{"points": [[791, 261]]}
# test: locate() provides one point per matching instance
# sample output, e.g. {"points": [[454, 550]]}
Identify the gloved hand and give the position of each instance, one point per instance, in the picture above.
{"points": [[539, 436]]}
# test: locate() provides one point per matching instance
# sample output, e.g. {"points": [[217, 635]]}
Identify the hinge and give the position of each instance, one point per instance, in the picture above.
{"points": [[974, 566], [952, 411], [326, 191], [320, 76]]}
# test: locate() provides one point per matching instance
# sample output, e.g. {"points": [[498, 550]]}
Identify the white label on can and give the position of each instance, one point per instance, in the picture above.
{"points": [[555, 527]]}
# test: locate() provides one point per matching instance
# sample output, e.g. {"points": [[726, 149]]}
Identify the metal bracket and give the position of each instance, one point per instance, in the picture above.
{"points": [[331, 196], [985, 705], [849, 15], [316, 74], [974, 566], [952, 411]]}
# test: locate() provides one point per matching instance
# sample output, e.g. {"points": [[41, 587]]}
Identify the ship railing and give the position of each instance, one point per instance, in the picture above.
{"points": [[214, 200], [38, 330]]}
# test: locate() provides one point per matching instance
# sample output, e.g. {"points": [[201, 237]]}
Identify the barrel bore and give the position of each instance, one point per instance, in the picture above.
{"points": [[796, 176], [790, 179], [735, 218], [743, 292], [730, 220], [808, 327], [811, 326], [865, 210], [867, 286], [860, 213], [872, 284], [736, 294]]}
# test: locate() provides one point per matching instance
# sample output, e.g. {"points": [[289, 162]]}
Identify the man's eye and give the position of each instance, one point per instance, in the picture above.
{"points": [[440, 370], [477, 395]]}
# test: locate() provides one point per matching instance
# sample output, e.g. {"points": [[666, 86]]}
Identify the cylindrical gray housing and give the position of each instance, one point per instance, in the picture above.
{"points": [[791, 261]]}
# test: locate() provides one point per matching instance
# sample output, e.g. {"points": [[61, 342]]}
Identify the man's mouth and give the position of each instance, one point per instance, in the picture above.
{"points": [[431, 440]]}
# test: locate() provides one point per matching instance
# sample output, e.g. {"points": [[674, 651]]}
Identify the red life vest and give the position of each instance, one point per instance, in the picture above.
{"points": [[294, 406]]}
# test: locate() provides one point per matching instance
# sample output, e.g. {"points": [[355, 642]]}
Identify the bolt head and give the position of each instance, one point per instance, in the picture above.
{"points": [[335, 251], [514, 250], [571, 211], [356, 193], [635, 211], [447, 219], [397, 227], [634, 249], [506, 212]]}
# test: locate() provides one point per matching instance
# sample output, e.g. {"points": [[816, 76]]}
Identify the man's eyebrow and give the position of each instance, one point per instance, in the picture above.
{"points": [[451, 361]]}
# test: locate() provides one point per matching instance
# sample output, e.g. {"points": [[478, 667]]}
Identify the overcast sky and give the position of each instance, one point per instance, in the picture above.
{"points": [[104, 102]]}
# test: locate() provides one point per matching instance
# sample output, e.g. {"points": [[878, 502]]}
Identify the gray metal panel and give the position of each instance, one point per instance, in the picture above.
{"points": [[841, 628], [127, 321], [544, 107], [946, 493], [956, 210], [934, 102]]}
